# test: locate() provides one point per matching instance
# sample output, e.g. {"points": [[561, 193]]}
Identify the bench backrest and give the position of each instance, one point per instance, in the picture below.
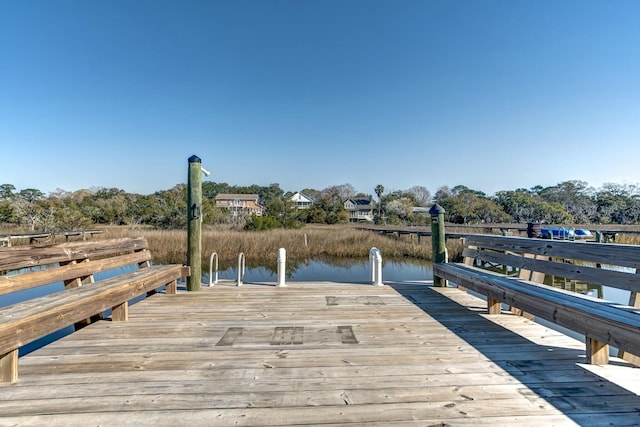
{"points": [[612, 265], [27, 267]]}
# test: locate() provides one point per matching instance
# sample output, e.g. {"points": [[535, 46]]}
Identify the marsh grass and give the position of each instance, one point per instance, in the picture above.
{"points": [[324, 242], [260, 247]]}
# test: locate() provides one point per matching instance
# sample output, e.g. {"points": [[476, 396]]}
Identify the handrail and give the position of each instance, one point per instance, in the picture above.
{"points": [[214, 256], [241, 265]]}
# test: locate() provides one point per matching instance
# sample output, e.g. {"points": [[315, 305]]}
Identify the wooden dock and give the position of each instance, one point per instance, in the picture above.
{"points": [[405, 354]]}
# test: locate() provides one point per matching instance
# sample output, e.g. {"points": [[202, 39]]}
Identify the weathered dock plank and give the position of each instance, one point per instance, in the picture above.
{"points": [[317, 354]]}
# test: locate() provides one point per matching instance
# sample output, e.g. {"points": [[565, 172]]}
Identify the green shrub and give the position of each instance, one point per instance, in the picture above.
{"points": [[261, 223]]}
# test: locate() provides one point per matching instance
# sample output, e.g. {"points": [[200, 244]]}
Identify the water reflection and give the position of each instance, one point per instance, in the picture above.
{"points": [[347, 271]]}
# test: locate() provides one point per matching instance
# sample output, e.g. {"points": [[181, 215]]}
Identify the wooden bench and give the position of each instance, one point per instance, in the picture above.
{"points": [[526, 262], [82, 299]]}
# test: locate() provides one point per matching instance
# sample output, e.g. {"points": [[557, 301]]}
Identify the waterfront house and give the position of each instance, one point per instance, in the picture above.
{"points": [[360, 209], [301, 200], [240, 204]]}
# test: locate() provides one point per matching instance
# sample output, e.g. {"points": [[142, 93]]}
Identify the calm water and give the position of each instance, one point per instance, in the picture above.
{"points": [[354, 272]]}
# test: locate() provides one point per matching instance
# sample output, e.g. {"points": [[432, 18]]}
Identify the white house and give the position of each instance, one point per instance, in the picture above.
{"points": [[301, 200]]}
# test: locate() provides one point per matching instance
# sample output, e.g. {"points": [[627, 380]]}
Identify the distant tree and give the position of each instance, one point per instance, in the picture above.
{"points": [[284, 210], [6, 191], [399, 210], [617, 204], [443, 193], [343, 191], [6, 212], [26, 207], [379, 190], [575, 196], [30, 194], [171, 208], [314, 194], [421, 195], [524, 206], [465, 205]]}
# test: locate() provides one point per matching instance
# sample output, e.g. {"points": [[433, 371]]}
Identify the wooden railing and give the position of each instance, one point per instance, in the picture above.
{"points": [[603, 323]]}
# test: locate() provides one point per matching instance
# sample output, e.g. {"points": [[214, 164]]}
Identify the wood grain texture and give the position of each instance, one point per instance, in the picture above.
{"points": [[599, 320], [18, 257], [32, 319], [263, 356], [83, 300], [602, 323], [68, 272]]}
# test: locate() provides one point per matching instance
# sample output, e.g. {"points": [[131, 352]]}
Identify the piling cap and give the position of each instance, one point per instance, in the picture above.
{"points": [[436, 209], [195, 159]]}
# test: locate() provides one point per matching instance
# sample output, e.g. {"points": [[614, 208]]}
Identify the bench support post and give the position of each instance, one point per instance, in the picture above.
{"points": [[634, 301], [120, 313], [9, 367], [597, 352], [494, 306], [172, 288]]}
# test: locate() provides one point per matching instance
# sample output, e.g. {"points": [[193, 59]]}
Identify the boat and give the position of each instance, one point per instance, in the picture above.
{"points": [[565, 233]]}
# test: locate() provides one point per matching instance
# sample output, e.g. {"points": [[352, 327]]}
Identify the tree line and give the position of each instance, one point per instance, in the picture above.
{"points": [[569, 202]]}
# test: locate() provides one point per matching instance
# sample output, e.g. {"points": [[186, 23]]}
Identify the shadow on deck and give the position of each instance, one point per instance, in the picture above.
{"points": [[547, 362]]}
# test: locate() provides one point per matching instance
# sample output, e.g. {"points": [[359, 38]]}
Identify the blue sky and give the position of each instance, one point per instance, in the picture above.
{"points": [[494, 95]]}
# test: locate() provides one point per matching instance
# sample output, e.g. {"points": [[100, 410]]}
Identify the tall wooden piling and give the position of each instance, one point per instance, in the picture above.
{"points": [[438, 242], [194, 223]]}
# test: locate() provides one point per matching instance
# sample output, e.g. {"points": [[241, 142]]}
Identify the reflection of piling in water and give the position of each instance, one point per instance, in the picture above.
{"points": [[534, 230], [241, 264]]}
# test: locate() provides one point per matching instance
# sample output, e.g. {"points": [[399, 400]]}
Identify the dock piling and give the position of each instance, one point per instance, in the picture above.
{"points": [[194, 223], [438, 241]]}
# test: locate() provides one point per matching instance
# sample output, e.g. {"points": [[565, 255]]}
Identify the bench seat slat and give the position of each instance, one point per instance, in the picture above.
{"points": [[27, 321], [18, 257], [607, 323], [20, 282]]}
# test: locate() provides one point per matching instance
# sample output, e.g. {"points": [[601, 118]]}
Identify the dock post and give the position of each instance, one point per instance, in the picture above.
{"points": [[438, 242], [241, 264], [194, 223], [282, 267], [375, 261]]}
